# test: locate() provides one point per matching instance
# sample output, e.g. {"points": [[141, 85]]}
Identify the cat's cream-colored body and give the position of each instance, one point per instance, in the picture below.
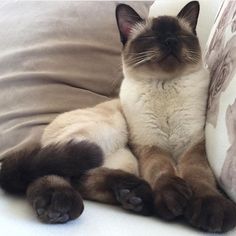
{"points": [[169, 114], [103, 125]]}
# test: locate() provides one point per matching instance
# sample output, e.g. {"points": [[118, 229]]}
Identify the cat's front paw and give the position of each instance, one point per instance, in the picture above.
{"points": [[171, 197], [214, 214], [135, 195]]}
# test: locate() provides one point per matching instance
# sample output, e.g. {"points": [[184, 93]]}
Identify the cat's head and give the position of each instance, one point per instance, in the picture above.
{"points": [[162, 47]]}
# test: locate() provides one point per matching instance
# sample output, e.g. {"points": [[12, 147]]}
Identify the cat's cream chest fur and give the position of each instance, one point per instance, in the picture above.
{"points": [[170, 115]]}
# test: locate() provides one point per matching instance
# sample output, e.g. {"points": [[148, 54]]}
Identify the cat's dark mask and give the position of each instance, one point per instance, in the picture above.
{"points": [[167, 43]]}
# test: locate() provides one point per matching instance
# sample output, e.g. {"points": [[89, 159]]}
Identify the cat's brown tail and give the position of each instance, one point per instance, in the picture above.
{"points": [[69, 160]]}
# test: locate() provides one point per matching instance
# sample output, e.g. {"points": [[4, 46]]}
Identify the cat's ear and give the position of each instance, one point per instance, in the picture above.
{"points": [[126, 18], [190, 14]]}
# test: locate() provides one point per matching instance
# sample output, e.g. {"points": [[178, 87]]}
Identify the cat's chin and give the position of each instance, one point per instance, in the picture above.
{"points": [[170, 64], [144, 73], [168, 69]]}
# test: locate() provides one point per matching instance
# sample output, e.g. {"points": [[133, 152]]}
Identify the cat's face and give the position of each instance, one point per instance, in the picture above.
{"points": [[164, 47]]}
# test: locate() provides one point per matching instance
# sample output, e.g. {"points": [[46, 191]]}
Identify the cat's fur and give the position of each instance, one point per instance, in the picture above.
{"points": [[155, 131]]}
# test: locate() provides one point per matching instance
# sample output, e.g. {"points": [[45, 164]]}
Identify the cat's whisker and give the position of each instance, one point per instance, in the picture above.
{"points": [[191, 56], [140, 58], [143, 53], [139, 62]]}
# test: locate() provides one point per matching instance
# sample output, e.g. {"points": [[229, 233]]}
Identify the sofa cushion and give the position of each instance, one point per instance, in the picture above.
{"points": [[54, 57], [221, 115]]}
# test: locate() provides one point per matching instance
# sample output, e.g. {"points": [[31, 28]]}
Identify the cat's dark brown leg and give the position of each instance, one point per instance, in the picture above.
{"points": [[115, 186], [70, 159], [171, 193], [54, 199], [208, 209]]}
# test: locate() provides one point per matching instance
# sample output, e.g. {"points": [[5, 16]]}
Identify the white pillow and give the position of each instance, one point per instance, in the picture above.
{"points": [[221, 115], [208, 12]]}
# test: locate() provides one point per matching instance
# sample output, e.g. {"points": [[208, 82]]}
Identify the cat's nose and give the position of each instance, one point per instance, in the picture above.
{"points": [[171, 42]]}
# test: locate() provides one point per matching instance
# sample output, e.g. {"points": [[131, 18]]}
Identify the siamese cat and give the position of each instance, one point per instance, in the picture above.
{"points": [[144, 151]]}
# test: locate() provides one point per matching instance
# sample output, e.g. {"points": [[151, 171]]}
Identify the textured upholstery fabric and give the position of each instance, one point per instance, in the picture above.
{"points": [[54, 57], [221, 117]]}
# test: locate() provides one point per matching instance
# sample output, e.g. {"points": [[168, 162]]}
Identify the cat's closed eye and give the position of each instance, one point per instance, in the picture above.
{"points": [[147, 37], [183, 36]]}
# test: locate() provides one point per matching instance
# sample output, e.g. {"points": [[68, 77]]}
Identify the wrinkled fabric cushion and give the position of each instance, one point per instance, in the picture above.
{"points": [[54, 57], [221, 115]]}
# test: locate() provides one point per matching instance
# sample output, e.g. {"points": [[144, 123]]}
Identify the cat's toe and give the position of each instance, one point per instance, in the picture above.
{"points": [[136, 197], [54, 199], [58, 205], [129, 201], [171, 197], [214, 214]]}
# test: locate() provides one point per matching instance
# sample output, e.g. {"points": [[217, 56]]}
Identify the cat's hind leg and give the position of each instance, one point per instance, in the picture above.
{"points": [[70, 159], [44, 174], [117, 183], [54, 199]]}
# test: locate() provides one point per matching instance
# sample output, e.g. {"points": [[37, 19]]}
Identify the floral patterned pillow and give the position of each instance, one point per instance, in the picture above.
{"points": [[221, 114]]}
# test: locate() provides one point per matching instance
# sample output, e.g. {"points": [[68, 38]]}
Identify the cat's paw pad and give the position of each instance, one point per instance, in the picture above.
{"points": [[58, 205], [214, 214], [171, 196], [136, 197]]}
